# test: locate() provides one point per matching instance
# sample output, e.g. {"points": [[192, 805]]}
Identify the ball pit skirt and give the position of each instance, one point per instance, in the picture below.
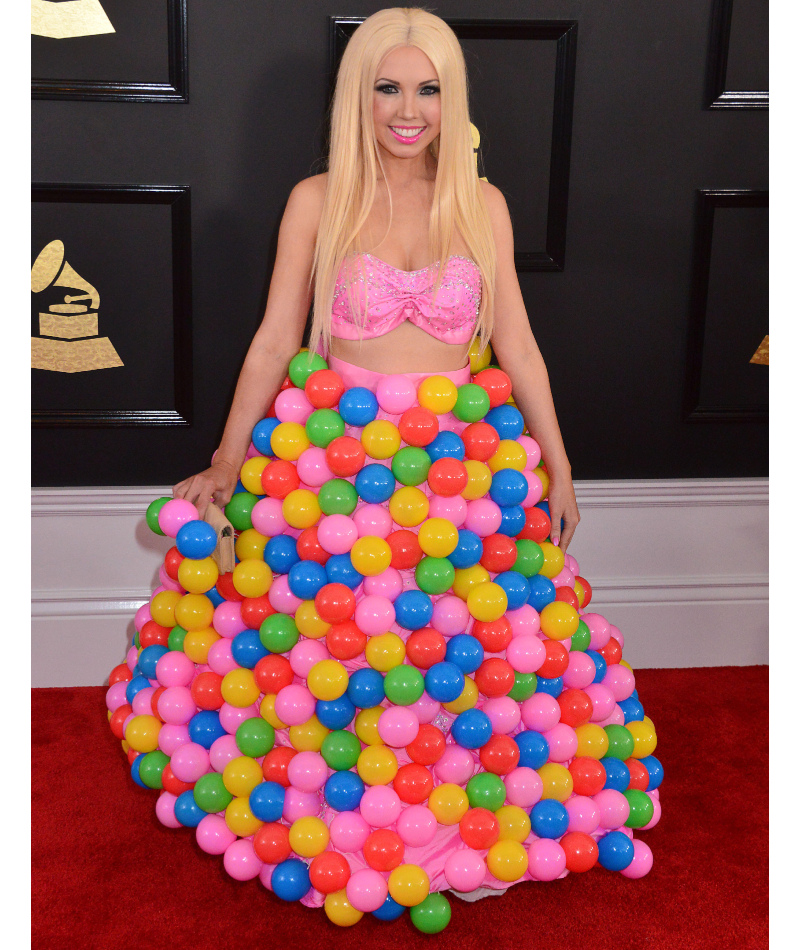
{"points": [[399, 690]]}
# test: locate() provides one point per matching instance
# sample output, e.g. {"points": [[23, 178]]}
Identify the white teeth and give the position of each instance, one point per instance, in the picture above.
{"points": [[407, 133]]}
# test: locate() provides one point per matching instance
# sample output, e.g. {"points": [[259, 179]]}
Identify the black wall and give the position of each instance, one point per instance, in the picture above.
{"points": [[640, 327]]}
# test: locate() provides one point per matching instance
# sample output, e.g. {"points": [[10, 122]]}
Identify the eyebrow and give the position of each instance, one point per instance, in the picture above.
{"points": [[396, 83]]}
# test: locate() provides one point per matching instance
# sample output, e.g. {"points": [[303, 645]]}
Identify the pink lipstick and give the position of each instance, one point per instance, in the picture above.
{"points": [[408, 139]]}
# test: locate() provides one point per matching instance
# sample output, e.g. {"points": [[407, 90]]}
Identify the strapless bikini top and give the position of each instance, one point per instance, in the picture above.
{"points": [[396, 295]]}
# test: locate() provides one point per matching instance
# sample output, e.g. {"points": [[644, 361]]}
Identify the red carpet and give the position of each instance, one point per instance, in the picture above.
{"points": [[107, 875]]}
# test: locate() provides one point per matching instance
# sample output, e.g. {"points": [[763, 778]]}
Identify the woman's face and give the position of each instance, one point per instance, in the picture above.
{"points": [[406, 104]]}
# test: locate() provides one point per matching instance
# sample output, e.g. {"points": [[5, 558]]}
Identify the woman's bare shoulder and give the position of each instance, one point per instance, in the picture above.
{"points": [[304, 207], [311, 191], [494, 198]]}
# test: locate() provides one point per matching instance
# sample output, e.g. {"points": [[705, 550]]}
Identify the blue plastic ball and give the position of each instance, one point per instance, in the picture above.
{"points": [[247, 649], [290, 880], [262, 435], [196, 539], [205, 728], [512, 521], [365, 688], [375, 483], [654, 769], [339, 570], [134, 685], [553, 687], [344, 790], [266, 801], [446, 445], [280, 553], [600, 665], [507, 420], [187, 811], [509, 487], [306, 579], [444, 682], [389, 909], [549, 818], [413, 610], [516, 587], [533, 748], [632, 709], [135, 765], [465, 651], [335, 713], [543, 592], [215, 597], [358, 406], [616, 851], [618, 775], [469, 549], [471, 729]]}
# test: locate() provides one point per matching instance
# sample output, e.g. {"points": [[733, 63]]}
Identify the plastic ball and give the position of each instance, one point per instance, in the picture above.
{"points": [[615, 851], [432, 914], [290, 880], [507, 860]]}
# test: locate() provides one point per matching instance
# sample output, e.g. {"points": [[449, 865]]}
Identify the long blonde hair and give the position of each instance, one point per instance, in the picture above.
{"points": [[353, 162]]}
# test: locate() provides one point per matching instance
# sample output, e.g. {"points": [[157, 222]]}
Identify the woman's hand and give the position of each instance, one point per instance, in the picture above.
{"points": [[561, 499], [216, 483]]}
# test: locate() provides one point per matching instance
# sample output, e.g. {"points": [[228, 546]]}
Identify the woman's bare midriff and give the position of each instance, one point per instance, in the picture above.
{"points": [[406, 349]]}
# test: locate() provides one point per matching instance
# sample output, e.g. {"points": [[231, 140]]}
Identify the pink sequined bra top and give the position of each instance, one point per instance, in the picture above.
{"points": [[396, 295]]}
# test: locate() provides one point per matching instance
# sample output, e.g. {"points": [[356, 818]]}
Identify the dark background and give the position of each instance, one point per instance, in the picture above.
{"points": [[615, 325]]}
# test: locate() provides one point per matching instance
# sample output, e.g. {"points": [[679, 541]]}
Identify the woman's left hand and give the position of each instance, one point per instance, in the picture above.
{"points": [[561, 499]]}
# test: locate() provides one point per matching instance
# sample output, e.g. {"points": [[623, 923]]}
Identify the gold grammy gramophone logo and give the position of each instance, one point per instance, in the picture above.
{"points": [[69, 340], [67, 18], [476, 142]]}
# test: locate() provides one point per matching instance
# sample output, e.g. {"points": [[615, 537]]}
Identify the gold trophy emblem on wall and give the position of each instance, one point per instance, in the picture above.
{"points": [[69, 18], [476, 143], [69, 340]]}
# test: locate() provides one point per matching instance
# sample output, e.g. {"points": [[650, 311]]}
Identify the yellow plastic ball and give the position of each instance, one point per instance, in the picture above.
{"points": [[371, 556], [449, 803], [250, 543], [544, 478], [508, 455], [409, 506], [553, 559], [479, 358], [309, 622], [644, 737], [380, 438], [327, 680], [309, 836], [479, 479], [366, 726], [377, 765], [340, 911], [141, 733], [385, 652], [580, 593], [308, 736], [468, 578], [250, 474], [487, 601], [239, 688], [241, 775], [626, 665], [592, 740], [301, 508], [507, 860], [197, 643], [559, 621], [252, 577], [409, 885], [162, 607], [437, 393], [194, 612], [467, 699], [240, 818], [556, 781], [197, 576], [438, 537], [515, 823], [267, 711], [289, 440]]}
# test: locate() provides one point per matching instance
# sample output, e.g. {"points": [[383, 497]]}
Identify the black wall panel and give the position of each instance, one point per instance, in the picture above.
{"points": [[615, 319]]}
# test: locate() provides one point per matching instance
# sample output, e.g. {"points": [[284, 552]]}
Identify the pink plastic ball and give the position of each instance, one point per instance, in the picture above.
{"points": [[142, 616], [380, 806], [115, 695], [213, 835], [299, 804], [398, 726], [616, 718], [453, 509], [642, 860], [165, 810], [292, 405], [175, 514], [483, 517], [450, 615], [251, 452], [602, 701], [231, 717], [564, 578], [523, 787], [172, 737], [175, 669], [540, 712], [190, 762], [176, 705], [337, 534], [572, 564], [613, 808], [580, 672], [142, 704], [265, 875], [584, 815], [599, 628], [395, 394], [546, 860], [223, 751], [348, 832], [367, 890], [167, 582], [653, 796], [563, 742], [131, 658], [503, 713], [456, 765], [240, 860], [426, 708], [389, 584], [307, 771], [526, 654], [294, 704], [618, 635], [532, 450], [374, 615], [267, 517], [281, 597], [620, 680], [524, 621], [465, 870], [228, 619], [535, 489], [417, 826], [373, 521], [305, 654], [220, 657], [312, 467]]}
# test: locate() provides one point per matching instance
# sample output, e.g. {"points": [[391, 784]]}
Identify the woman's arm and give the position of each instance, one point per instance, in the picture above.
{"points": [[277, 340], [518, 354]]}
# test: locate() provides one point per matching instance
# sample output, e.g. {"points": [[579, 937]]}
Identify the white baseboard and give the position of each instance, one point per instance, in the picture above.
{"points": [[680, 565]]}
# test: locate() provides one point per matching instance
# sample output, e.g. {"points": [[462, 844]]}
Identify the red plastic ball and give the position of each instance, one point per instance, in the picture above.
{"points": [[406, 552], [499, 553], [480, 441], [493, 635], [118, 718], [153, 633], [567, 596], [345, 640], [418, 426], [279, 477], [496, 383], [479, 828], [131, 755], [556, 659], [384, 849], [612, 651], [581, 851], [172, 561], [495, 677], [324, 388], [329, 872], [429, 745], [576, 707], [226, 589], [255, 611], [413, 783], [276, 764], [272, 673], [174, 785], [587, 588], [206, 690], [537, 525], [120, 674], [154, 702], [447, 477], [500, 755], [588, 775], [425, 647], [335, 603], [640, 777], [271, 843], [309, 548], [345, 456]]}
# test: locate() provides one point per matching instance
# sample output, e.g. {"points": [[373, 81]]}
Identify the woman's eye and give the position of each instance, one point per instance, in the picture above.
{"points": [[386, 88], [429, 90]]}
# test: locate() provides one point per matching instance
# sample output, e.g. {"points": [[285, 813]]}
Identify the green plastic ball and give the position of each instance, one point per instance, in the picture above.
{"points": [[278, 633], [210, 793], [581, 638], [524, 686], [338, 497], [303, 365], [239, 509], [176, 637], [432, 915], [323, 426], [620, 742], [472, 403], [410, 465], [486, 790], [151, 515], [341, 750], [151, 768], [255, 737], [403, 685], [641, 808], [530, 558], [434, 575]]}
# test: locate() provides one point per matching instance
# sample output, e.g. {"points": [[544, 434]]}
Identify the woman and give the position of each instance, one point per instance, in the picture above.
{"points": [[408, 259]]}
